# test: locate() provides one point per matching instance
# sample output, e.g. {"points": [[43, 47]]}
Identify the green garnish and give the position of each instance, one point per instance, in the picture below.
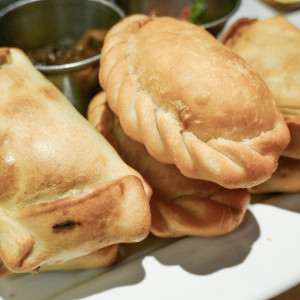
{"points": [[197, 10]]}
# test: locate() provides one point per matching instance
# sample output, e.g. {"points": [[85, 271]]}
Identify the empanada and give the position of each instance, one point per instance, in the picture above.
{"points": [[64, 190], [288, 3], [191, 101], [99, 259], [286, 179], [272, 48], [180, 205]]}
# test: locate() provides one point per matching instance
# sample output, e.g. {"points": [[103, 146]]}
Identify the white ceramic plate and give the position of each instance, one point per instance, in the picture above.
{"points": [[258, 261]]}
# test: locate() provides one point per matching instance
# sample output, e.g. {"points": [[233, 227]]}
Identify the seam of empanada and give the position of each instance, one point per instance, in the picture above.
{"points": [[103, 213], [265, 147], [230, 205], [188, 222]]}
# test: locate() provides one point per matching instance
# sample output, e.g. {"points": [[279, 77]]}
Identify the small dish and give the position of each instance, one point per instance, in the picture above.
{"points": [[36, 24]]}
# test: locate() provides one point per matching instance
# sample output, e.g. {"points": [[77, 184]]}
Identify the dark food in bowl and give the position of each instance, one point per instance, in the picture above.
{"points": [[67, 51]]}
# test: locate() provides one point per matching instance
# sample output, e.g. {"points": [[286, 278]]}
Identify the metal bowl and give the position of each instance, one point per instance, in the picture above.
{"points": [[219, 8], [32, 24]]}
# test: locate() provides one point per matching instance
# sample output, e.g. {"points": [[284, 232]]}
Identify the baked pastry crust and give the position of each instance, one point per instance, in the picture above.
{"points": [[179, 205], [288, 3], [102, 258], [286, 179], [64, 190], [191, 101], [272, 46]]}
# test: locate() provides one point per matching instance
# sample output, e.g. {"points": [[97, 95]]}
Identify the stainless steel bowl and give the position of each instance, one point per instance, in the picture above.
{"points": [[218, 8], [32, 24]]}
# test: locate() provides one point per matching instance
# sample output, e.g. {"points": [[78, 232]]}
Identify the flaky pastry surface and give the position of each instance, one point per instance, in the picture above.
{"points": [[102, 258], [271, 46], [64, 190], [191, 101], [179, 205]]}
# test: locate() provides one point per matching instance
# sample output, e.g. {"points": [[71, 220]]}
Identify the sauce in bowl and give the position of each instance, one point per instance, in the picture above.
{"points": [[68, 51]]}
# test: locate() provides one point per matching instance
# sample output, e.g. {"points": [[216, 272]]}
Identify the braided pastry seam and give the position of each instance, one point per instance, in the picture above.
{"points": [[248, 162]]}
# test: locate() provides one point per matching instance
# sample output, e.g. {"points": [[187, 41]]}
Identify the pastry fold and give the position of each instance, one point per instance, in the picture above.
{"points": [[100, 259], [64, 190], [271, 47], [179, 205], [191, 101], [286, 179]]}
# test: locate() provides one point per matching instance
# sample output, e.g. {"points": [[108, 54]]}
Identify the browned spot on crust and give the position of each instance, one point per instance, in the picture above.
{"points": [[27, 253], [65, 226], [4, 56], [8, 175], [51, 93], [283, 173], [7, 179], [22, 105], [64, 204], [37, 269]]}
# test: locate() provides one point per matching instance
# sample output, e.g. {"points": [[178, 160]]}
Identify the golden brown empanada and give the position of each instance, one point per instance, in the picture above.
{"points": [[285, 3], [191, 101], [99, 259], [286, 179], [179, 205], [271, 47], [64, 190]]}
